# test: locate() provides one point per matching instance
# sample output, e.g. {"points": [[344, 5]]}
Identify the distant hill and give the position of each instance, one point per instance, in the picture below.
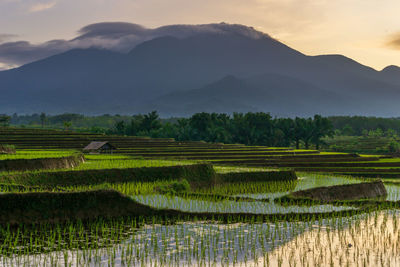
{"points": [[204, 72], [391, 74], [285, 96]]}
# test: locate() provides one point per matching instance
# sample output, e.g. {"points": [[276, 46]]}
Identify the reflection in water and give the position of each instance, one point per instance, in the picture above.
{"points": [[227, 206], [364, 240], [371, 241]]}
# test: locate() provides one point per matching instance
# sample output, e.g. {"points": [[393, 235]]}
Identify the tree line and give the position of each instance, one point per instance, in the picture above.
{"points": [[343, 125], [363, 126], [245, 128]]}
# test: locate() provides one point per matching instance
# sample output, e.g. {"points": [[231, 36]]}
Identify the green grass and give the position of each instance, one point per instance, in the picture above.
{"points": [[34, 154], [111, 163], [98, 162], [332, 153], [228, 169]]}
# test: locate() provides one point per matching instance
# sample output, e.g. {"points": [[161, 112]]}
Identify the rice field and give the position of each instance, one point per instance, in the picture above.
{"points": [[273, 233], [363, 240], [35, 154], [336, 241]]}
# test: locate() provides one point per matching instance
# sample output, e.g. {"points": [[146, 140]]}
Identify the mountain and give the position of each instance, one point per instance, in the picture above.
{"points": [[286, 96], [392, 74], [234, 71]]}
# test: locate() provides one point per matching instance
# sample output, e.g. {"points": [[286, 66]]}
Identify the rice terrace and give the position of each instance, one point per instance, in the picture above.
{"points": [[160, 202], [199, 133]]}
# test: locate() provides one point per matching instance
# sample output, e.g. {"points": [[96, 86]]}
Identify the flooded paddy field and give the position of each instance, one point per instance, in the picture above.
{"points": [[367, 238], [242, 222], [364, 240]]}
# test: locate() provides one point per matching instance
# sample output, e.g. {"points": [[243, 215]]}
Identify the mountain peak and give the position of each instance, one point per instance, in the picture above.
{"points": [[193, 59], [119, 37], [186, 30], [391, 69]]}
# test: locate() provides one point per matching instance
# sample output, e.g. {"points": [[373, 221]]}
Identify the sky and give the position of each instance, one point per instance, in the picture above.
{"points": [[366, 30]]}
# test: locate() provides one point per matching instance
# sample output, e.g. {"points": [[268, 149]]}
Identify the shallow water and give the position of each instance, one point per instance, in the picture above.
{"points": [[227, 206], [393, 192], [364, 240], [306, 182]]}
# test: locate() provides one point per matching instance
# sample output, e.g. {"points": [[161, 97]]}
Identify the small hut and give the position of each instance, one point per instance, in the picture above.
{"points": [[99, 147]]}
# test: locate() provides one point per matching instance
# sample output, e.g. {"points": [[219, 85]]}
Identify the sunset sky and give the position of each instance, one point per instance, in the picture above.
{"points": [[365, 30]]}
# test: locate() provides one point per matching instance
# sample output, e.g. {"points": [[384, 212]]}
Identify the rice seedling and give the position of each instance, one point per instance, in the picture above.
{"points": [[358, 237], [369, 239], [34, 154]]}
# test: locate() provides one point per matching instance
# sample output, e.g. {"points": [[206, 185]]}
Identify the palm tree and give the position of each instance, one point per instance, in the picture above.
{"points": [[67, 124]]}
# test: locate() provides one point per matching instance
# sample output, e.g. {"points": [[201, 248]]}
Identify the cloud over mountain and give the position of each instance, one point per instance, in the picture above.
{"points": [[394, 41], [5, 37], [116, 36], [261, 74]]}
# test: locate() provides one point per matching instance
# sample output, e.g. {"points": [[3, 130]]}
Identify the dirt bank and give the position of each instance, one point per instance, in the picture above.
{"points": [[343, 192]]}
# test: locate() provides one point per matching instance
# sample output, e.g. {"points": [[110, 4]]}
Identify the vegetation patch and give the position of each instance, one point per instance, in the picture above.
{"points": [[264, 176], [7, 149], [41, 163], [46, 207], [49, 207], [372, 190], [176, 187], [196, 175]]}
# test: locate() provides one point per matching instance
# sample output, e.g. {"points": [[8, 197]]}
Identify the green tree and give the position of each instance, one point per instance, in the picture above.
{"points": [[287, 134], [308, 132], [365, 133], [347, 130], [321, 127], [67, 125], [393, 146], [5, 120], [299, 130], [184, 131], [120, 127], [43, 119], [391, 133], [150, 122], [375, 133], [134, 127], [200, 123]]}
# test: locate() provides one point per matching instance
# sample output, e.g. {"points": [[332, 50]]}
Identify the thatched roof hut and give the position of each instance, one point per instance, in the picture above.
{"points": [[99, 147]]}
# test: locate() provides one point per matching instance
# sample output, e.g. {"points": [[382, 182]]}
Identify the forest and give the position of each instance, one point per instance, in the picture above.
{"points": [[245, 128]]}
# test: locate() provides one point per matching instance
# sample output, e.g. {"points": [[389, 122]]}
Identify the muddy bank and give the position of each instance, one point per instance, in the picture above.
{"points": [[46, 207], [374, 190], [41, 163], [62, 207]]}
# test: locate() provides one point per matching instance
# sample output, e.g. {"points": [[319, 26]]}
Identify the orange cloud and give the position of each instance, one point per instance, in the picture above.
{"points": [[42, 6]]}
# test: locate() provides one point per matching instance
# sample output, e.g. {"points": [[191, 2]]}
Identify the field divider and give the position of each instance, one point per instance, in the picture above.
{"points": [[48, 207], [41, 163], [196, 175]]}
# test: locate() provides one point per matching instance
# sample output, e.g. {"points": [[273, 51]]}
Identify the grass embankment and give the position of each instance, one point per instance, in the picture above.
{"points": [[41, 163], [45, 207], [369, 190], [38, 153], [358, 144], [197, 174]]}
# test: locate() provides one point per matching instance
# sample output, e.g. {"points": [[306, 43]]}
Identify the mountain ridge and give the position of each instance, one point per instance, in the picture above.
{"points": [[97, 81]]}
